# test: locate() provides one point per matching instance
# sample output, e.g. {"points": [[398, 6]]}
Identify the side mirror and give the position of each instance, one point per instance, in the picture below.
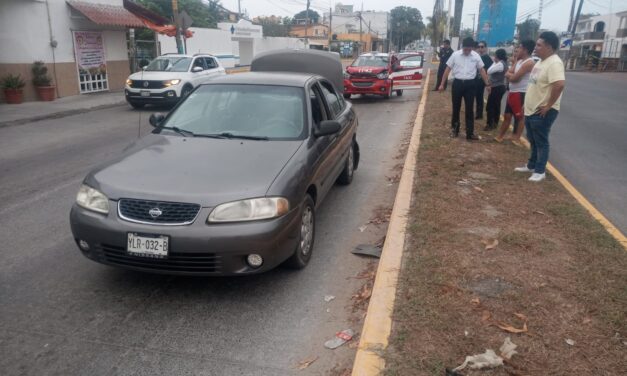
{"points": [[156, 119], [327, 127], [197, 69]]}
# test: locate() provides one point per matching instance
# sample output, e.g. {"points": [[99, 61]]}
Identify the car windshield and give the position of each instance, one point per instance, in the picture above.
{"points": [[412, 61], [371, 61], [238, 110], [169, 64]]}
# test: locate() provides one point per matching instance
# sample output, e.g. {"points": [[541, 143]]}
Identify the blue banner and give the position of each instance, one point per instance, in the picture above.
{"points": [[497, 21]]}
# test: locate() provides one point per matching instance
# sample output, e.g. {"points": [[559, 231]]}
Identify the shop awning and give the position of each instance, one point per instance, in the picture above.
{"points": [[105, 14]]}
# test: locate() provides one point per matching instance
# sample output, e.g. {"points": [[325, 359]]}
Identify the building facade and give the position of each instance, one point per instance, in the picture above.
{"points": [[600, 42], [83, 43]]}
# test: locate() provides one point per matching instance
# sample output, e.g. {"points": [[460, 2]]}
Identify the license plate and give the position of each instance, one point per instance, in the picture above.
{"points": [[144, 93], [155, 246]]}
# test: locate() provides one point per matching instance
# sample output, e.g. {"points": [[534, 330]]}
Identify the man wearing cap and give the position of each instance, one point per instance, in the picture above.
{"points": [[465, 65]]}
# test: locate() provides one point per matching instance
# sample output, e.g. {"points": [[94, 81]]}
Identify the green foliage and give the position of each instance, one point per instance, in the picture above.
{"points": [[11, 81], [205, 14], [529, 29], [40, 74], [465, 33], [274, 26], [436, 27], [313, 16], [406, 25]]}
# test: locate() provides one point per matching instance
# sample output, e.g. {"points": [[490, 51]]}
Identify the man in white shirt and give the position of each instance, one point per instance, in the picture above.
{"points": [[464, 64]]}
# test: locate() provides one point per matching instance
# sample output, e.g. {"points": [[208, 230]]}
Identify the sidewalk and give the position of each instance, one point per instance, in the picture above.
{"points": [[14, 114]]}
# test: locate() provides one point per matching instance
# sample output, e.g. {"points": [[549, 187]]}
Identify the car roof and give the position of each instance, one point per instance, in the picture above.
{"points": [[182, 55], [375, 54], [265, 78]]}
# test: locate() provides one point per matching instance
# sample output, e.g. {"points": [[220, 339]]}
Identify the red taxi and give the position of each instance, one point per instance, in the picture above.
{"points": [[381, 74]]}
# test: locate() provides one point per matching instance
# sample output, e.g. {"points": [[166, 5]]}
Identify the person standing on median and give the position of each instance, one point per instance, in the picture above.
{"points": [[542, 103], [465, 65], [445, 53], [482, 50], [496, 73], [518, 77]]}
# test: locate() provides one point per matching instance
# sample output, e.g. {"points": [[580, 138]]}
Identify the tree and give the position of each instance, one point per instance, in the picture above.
{"points": [[529, 29], [313, 16], [204, 13], [436, 31], [406, 25], [459, 5], [273, 26], [465, 33]]}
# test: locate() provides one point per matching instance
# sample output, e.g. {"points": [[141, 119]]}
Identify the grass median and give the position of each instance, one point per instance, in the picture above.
{"points": [[491, 255]]}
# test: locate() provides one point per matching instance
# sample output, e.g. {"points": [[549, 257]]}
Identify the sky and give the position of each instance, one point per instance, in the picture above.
{"points": [[555, 13]]}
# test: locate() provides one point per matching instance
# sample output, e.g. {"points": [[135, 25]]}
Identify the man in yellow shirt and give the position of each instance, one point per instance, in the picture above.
{"points": [[542, 103]]}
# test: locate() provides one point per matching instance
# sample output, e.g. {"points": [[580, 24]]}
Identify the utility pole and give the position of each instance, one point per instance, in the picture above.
{"points": [[572, 14], [474, 15], [239, 9], [307, 25], [448, 20], [330, 27], [175, 13], [540, 11], [574, 26], [360, 31], [370, 33]]}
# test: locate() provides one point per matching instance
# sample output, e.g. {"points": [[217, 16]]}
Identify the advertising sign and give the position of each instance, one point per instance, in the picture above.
{"points": [[90, 53], [497, 21]]}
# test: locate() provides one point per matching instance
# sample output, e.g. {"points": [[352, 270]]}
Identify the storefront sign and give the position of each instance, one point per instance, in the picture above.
{"points": [[90, 54]]}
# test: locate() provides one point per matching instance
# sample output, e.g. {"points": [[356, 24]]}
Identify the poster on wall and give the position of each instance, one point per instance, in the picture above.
{"points": [[90, 61]]}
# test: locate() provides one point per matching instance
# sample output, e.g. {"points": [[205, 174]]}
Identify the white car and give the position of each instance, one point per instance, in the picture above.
{"points": [[169, 78]]}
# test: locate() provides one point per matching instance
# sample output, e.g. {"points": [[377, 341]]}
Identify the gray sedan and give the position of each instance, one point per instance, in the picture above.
{"points": [[227, 184]]}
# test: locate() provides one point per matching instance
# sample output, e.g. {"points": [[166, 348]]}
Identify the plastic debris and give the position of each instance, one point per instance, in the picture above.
{"points": [[570, 342], [363, 228], [328, 298], [367, 250], [488, 359], [508, 349], [340, 339], [306, 363]]}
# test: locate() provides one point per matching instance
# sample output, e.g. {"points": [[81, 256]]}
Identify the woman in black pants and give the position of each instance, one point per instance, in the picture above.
{"points": [[496, 72]]}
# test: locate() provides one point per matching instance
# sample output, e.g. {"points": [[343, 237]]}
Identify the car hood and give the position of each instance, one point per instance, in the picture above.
{"points": [[158, 76], [195, 170], [366, 70]]}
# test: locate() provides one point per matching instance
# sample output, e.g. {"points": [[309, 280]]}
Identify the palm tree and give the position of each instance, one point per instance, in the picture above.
{"points": [[436, 32]]}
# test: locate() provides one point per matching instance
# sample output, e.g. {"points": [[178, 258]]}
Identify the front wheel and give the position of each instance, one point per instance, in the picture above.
{"points": [[304, 248], [185, 92], [399, 93], [347, 96]]}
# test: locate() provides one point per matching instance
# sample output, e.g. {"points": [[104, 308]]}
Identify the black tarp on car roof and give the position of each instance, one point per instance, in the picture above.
{"points": [[323, 63]]}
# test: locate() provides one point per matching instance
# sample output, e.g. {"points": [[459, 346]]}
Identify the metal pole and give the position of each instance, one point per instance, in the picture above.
{"points": [[307, 25], [572, 14], [330, 27], [239, 9], [360, 31], [473, 23], [540, 12], [448, 20], [175, 13]]}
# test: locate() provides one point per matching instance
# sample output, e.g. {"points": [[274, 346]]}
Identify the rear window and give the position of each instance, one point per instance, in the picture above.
{"points": [[276, 112], [169, 64]]}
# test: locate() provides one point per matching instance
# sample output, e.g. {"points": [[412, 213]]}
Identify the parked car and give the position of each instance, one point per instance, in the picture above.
{"points": [[169, 78], [381, 74], [227, 183]]}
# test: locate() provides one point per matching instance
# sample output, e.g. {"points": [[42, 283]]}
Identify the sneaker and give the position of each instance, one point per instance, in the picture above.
{"points": [[537, 177], [523, 169], [473, 137]]}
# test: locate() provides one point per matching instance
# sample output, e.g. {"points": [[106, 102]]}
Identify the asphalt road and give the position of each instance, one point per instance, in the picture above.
{"points": [[62, 314], [589, 141]]}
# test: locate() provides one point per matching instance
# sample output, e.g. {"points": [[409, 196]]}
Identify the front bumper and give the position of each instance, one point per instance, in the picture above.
{"points": [[195, 249], [166, 96], [373, 86]]}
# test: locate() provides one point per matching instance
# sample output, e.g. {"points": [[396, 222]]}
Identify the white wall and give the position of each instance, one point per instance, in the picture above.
{"points": [[24, 27], [271, 43]]}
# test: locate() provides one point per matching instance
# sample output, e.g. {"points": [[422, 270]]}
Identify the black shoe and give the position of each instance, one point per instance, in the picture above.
{"points": [[473, 137], [454, 133]]}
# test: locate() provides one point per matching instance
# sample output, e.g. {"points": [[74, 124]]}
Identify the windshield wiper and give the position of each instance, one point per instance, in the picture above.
{"points": [[230, 135], [180, 131]]}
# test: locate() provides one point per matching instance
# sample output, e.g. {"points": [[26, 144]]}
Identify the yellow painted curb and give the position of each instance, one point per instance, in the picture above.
{"points": [[378, 323], [609, 227]]}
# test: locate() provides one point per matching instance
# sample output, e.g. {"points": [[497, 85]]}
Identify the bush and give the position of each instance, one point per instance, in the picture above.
{"points": [[11, 81], [40, 74]]}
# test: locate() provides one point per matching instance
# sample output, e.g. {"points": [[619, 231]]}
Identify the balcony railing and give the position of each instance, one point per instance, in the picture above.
{"points": [[594, 35], [621, 33]]}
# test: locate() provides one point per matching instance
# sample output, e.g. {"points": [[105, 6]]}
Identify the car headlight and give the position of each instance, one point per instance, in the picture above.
{"points": [[382, 75], [249, 210], [129, 82], [92, 199], [171, 82]]}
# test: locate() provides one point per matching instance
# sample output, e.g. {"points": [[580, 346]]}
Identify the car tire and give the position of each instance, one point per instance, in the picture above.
{"points": [[399, 93], [137, 105], [346, 177], [304, 248], [186, 90], [347, 96], [388, 94]]}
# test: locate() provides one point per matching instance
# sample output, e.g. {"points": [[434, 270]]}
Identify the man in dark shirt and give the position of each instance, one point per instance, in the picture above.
{"points": [[445, 52], [482, 50]]}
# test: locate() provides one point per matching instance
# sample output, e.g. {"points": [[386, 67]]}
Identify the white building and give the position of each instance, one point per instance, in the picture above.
{"points": [[345, 21], [83, 43], [604, 34]]}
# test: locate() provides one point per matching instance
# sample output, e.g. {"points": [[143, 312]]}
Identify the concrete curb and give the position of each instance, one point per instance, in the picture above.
{"points": [[378, 323], [60, 114]]}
